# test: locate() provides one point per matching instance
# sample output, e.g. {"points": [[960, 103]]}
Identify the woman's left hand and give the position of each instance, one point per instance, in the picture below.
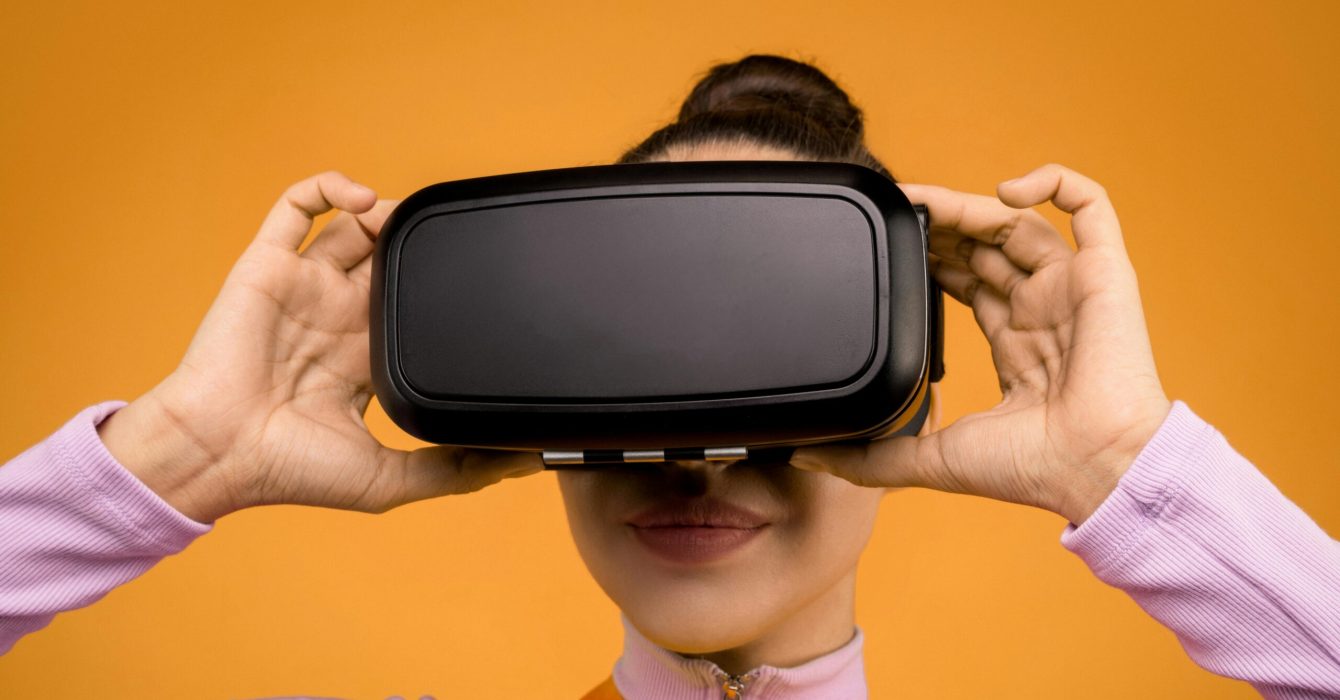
{"points": [[1080, 395]]}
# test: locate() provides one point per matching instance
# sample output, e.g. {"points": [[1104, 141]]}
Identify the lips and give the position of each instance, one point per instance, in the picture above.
{"points": [[696, 531]]}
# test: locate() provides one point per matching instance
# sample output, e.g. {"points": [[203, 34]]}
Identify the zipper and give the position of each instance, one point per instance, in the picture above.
{"points": [[732, 687]]}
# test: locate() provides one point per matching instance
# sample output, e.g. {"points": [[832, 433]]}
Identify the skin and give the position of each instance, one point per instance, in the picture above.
{"points": [[266, 407], [787, 597]]}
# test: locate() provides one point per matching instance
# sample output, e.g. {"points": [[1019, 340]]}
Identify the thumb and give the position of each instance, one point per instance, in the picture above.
{"points": [[889, 462], [442, 470], [825, 458]]}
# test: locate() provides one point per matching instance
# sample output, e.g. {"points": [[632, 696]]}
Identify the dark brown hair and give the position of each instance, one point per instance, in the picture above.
{"points": [[772, 101]]}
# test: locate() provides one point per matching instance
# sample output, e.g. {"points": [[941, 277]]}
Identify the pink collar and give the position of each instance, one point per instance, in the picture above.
{"points": [[648, 672]]}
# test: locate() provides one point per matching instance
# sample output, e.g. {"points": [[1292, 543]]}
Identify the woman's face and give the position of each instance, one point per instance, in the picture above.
{"points": [[711, 556]]}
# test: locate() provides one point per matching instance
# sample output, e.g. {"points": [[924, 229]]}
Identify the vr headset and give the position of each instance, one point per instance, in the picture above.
{"points": [[705, 310]]}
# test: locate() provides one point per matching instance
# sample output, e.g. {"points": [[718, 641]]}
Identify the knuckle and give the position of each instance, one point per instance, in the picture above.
{"points": [[971, 289], [1006, 229], [468, 476], [293, 191], [964, 249]]}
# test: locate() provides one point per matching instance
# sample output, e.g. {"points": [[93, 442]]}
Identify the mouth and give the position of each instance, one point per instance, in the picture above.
{"points": [[696, 531]]}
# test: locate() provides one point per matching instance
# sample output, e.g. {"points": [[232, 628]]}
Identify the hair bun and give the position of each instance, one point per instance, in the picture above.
{"points": [[767, 82], [771, 101]]}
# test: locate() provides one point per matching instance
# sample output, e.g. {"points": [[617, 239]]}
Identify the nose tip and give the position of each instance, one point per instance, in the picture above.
{"points": [[701, 469], [691, 477]]}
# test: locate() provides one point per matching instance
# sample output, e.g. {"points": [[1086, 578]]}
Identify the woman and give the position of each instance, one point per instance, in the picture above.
{"points": [[266, 407]]}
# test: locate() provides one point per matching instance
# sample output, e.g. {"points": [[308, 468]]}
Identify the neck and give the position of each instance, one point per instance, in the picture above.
{"points": [[822, 625]]}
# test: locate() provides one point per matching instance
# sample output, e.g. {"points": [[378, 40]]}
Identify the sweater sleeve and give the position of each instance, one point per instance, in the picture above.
{"points": [[1208, 546], [74, 524]]}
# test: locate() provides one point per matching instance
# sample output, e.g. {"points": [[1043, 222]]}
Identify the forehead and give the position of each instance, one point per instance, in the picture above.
{"points": [[726, 150]]}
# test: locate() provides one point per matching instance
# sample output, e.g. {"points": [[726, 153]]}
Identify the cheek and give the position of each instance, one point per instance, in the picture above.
{"points": [[581, 501], [590, 498], [833, 524]]}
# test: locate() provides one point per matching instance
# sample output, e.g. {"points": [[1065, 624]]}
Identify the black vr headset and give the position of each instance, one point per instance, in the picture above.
{"points": [[706, 310]]}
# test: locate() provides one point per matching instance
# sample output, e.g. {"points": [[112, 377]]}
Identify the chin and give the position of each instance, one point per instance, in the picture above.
{"points": [[697, 616], [690, 623]]}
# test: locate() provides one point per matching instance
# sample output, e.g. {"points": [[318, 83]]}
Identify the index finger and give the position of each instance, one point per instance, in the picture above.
{"points": [[1027, 239], [1093, 220], [291, 217]]}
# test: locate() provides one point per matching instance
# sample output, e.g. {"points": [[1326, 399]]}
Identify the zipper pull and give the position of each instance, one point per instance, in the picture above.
{"points": [[733, 687]]}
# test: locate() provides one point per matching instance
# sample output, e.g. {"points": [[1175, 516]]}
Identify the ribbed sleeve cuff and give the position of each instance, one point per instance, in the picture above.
{"points": [[105, 486], [1154, 480]]}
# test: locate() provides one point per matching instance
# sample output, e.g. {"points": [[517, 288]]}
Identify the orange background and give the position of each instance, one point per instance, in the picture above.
{"points": [[142, 143]]}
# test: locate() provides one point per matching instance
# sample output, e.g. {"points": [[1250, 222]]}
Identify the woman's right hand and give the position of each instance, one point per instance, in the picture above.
{"points": [[267, 405]]}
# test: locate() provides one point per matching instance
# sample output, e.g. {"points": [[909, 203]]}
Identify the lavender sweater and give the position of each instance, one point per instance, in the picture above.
{"points": [[1193, 532]]}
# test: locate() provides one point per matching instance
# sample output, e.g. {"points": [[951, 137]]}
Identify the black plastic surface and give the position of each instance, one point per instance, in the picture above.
{"points": [[734, 294], [645, 306]]}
